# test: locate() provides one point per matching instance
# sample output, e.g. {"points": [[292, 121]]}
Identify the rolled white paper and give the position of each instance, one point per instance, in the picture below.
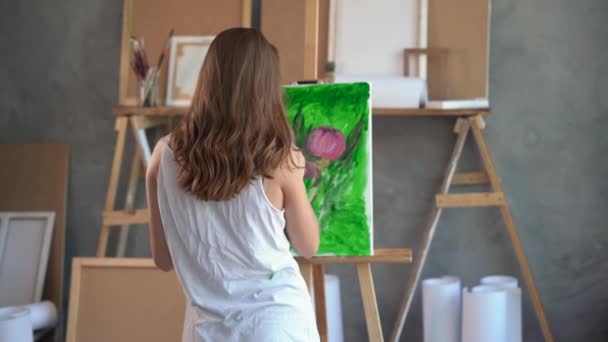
{"points": [[500, 280], [441, 309], [514, 317], [391, 91], [484, 314], [15, 325], [42, 314], [333, 308]]}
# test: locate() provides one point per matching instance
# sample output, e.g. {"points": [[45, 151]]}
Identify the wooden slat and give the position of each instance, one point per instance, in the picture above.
{"points": [[370, 305], [470, 178], [477, 125], [482, 199], [150, 111], [306, 270], [397, 255], [311, 39], [430, 112], [318, 278], [104, 233], [124, 217], [180, 111], [246, 19], [129, 201]]}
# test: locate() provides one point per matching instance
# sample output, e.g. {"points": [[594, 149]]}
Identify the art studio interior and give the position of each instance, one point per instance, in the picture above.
{"points": [[303, 170]]}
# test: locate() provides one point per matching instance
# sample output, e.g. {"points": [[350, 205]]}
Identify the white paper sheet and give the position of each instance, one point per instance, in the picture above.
{"points": [[15, 325], [484, 314], [441, 309], [514, 317], [333, 308]]}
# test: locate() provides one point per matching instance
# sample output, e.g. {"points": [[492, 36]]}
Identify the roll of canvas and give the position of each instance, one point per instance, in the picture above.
{"points": [[514, 316], [15, 325], [333, 308], [484, 314], [391, 91], [441, 309]]}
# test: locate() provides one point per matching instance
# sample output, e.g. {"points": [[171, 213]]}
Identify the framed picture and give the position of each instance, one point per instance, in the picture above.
{"points": [[185, 61], [25, 242]]}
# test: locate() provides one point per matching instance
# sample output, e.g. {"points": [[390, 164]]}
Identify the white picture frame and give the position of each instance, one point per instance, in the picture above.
{"points": [[25, 242], [186, 57]]}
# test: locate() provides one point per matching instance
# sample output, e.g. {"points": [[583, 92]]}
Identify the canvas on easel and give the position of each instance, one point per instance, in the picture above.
{"points": [[332, 126]]}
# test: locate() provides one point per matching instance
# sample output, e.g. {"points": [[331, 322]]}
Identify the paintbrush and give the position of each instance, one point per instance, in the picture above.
{"points": [[163, 53]]}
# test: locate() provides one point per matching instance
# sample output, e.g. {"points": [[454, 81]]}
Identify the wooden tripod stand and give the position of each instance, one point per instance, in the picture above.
{"points": [[313, 270], [443, 199]]}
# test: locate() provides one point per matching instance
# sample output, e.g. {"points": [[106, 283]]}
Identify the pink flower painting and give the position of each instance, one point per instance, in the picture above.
{"points": [[326, 142]]}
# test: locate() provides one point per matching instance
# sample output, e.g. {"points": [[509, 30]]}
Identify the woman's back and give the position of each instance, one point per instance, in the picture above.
{"points": [[210, 216], [234, 262]]}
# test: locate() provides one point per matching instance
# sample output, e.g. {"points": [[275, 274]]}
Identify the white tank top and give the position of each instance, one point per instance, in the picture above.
{"points": [[233, 259]]}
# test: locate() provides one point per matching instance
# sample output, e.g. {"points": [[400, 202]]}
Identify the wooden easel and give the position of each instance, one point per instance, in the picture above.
{"points": [[443, 199], [312, 269]]}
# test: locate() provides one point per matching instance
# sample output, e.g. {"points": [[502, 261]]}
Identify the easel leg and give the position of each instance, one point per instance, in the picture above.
{"points": [[318, 272], [477, 125], [370, 306], [129, 201], [306, 270], [462, 129], [121, 128], [142, 143]]}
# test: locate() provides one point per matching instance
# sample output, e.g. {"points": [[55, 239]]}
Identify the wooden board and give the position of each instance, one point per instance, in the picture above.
{"points": [[463, 28], [34, 177], [291, 26], [153, 19], [120, 300]]}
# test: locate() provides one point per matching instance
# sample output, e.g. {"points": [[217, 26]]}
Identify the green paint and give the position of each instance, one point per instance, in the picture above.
{"points": [[338, 195]]}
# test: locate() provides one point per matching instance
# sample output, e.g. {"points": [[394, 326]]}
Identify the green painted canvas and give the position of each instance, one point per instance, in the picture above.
{"points": [[332, 126]]}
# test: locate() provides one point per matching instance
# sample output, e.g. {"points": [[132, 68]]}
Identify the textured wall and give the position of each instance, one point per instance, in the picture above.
{"points": [[58, 81]]}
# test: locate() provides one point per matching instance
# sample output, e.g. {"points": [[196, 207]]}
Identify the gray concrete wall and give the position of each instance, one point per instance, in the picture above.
{"points": [[549, 68]]}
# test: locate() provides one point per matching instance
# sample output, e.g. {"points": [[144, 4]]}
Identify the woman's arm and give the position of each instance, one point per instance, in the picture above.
{"points": [[158, 242], [302, 225]]}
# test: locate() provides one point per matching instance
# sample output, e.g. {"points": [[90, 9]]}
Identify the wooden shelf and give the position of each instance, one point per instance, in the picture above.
{"points": [[430, 112], [180, 111], [398, 255]]}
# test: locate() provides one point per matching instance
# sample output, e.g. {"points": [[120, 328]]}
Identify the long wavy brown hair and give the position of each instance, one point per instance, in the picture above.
{"points": [[236, 128]]}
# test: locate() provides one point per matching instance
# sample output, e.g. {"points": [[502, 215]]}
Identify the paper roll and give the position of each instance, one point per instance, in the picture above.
{"points": [[500, 280], [333, 308], [441, 309], [514, 316], [43, 315], [15, 325], [484, 315]]}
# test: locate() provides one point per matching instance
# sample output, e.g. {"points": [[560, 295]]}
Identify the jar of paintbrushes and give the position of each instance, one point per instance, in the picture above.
{"points": [[147, 76]]}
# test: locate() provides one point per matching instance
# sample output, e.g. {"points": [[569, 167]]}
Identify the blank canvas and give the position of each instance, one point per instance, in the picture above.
{"points": [[25, 240]]}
